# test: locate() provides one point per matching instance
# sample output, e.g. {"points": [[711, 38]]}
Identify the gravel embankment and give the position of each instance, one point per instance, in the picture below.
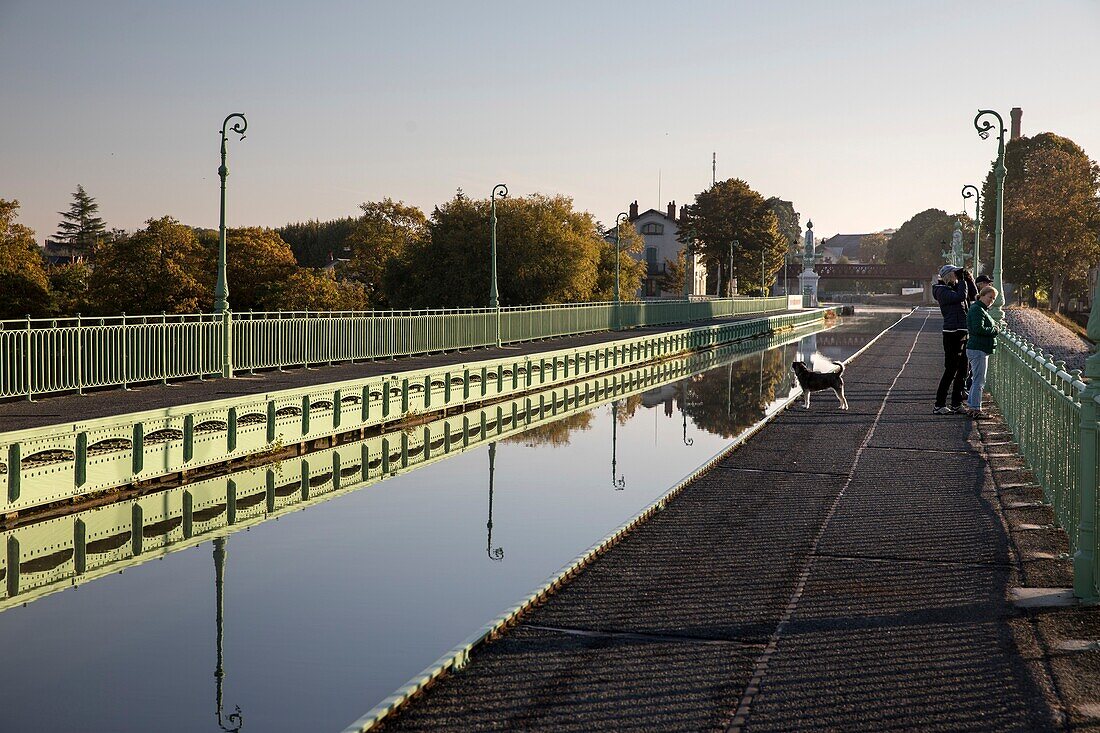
{"points": [[1049, 336]]}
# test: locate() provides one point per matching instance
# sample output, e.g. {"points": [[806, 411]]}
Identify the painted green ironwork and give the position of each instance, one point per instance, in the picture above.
{"points": [[221, 289], [45, 557], [44, 356], [999, 172], [971, 191], [1053, 417], [61, 461]]}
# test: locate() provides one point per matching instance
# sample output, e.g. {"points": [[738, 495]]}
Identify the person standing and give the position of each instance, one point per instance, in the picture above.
{"points": [[951, 293], [982, 332]]}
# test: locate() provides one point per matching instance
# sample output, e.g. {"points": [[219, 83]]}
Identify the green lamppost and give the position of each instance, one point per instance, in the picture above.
{"points": [[494, 301], [971, 191], [732, 284], [999, 171], [221, 290], [618, 219]]}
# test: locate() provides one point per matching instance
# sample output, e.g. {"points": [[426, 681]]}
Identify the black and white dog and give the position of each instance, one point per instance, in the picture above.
{"points": [[812, 381]]}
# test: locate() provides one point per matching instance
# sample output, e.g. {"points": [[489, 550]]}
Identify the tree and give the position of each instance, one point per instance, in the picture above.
{"points": [[162, 267], [257, 262], [80, 228], [69, 288], [546, 253], [378, 238], [672, 281], [316, 243], [631, 270], [872, 248], [24, 289], [314, 290], [922, 239], [727, 211], [1051, 215], [790, 227]]}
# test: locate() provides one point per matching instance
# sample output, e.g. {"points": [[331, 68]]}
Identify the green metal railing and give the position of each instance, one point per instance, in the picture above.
{"points": [[43, 356], [1048, 411]]}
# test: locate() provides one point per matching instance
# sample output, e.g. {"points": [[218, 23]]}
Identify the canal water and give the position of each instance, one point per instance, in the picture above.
{"points": [[327, 610]]}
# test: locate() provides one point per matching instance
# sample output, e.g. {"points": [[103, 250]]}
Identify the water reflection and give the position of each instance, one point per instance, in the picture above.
{"points": [[616, 483], [399, 569], [233, 721], [493, 553]]}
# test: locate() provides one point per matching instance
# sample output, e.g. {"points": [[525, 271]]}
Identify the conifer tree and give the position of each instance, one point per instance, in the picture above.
{"points": [[80, 227]]}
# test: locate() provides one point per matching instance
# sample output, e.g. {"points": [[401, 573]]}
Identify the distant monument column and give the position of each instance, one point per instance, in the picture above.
{"points": [[808, 279]]}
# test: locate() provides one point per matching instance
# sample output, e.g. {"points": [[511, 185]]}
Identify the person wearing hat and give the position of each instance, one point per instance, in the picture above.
{"points": [[980, 346], [952, 291]]}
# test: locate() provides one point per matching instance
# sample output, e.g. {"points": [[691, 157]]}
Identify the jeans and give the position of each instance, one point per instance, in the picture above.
{"points": [[954, 368], [979, 362]]}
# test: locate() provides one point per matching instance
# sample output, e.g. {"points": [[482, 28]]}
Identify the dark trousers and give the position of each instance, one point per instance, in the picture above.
{"points": [[955, 367]]}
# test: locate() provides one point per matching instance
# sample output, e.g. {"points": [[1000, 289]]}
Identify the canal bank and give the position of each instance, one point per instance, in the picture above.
{"points": [[65, 451], [841, 570]]}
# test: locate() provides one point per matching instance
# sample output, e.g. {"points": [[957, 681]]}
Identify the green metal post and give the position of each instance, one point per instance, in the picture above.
{"points": [[1084, 560], [221, 289], [971, 191], [999, 171], [494, 300], [618, 316]]}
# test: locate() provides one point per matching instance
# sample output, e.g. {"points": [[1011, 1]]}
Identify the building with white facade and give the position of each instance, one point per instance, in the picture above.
{"points": [[660, 229]]}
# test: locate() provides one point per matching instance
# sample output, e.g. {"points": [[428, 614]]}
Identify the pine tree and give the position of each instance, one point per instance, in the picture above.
{"points": [[80, 228]]}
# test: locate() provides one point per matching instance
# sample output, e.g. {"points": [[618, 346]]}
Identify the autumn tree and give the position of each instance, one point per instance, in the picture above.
{"points": [[315, 290], [672, 280], [923, 239], [257, 262], [70, 288], [1051, 215], [80, 228], [158, 268], [546, 253], [872, 248], [790, 226], [631, 270], [727, 211], [24, 289], [316, 243], [377, 239]]}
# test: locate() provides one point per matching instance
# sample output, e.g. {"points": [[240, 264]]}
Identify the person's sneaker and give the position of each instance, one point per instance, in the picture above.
{"points": [[978, 415], [960, 409], [942, 411]]}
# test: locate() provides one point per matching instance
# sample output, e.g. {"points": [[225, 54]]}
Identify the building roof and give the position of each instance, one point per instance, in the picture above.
{"points": [[662, 214], [845, 244]]}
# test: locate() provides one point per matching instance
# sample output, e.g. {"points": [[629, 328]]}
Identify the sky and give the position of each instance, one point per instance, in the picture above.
{"points": [[861, 113]]}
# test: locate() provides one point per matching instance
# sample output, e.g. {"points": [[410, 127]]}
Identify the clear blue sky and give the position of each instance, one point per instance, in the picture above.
{"points": [[859, 112]]}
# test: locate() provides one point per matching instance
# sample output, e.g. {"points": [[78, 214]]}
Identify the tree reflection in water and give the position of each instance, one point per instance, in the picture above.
{"points": [[727, 401]]}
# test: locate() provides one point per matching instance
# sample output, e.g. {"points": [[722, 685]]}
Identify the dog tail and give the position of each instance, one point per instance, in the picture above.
{"points": [[841, 365]]}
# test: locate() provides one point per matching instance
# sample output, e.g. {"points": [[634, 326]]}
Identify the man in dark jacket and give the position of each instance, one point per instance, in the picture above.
{"points": [[953, 291]]}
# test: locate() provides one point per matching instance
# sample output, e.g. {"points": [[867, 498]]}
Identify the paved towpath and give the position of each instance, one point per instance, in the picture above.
{"points": [[51, 410], [839, 571]]}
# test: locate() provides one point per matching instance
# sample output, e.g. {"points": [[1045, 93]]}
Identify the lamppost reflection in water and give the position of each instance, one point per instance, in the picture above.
{"points": [[234, 720], [683, 411], [497, 553], [616, 483]]}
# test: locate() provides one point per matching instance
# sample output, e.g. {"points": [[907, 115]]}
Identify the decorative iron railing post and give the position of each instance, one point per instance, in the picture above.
{"points": [[1085, 559], [999, 171], [221, 290], [79, 357], [494, 300], [28, 362], [971, 191]]}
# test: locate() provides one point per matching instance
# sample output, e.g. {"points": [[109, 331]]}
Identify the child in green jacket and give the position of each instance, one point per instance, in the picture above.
{"points": [[980, 345]]}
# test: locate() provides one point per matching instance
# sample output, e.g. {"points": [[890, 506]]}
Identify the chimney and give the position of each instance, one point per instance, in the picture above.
{"points": [[671, 209], [634, 211], [1016, 114], [683, 210]]}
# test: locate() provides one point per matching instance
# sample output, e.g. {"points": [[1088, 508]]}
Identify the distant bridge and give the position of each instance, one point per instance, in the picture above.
{"points": [[863, 271]]}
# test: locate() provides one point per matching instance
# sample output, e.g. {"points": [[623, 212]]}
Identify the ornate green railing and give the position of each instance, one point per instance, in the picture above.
{"points": [[1047, 408], [43, 356]]}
